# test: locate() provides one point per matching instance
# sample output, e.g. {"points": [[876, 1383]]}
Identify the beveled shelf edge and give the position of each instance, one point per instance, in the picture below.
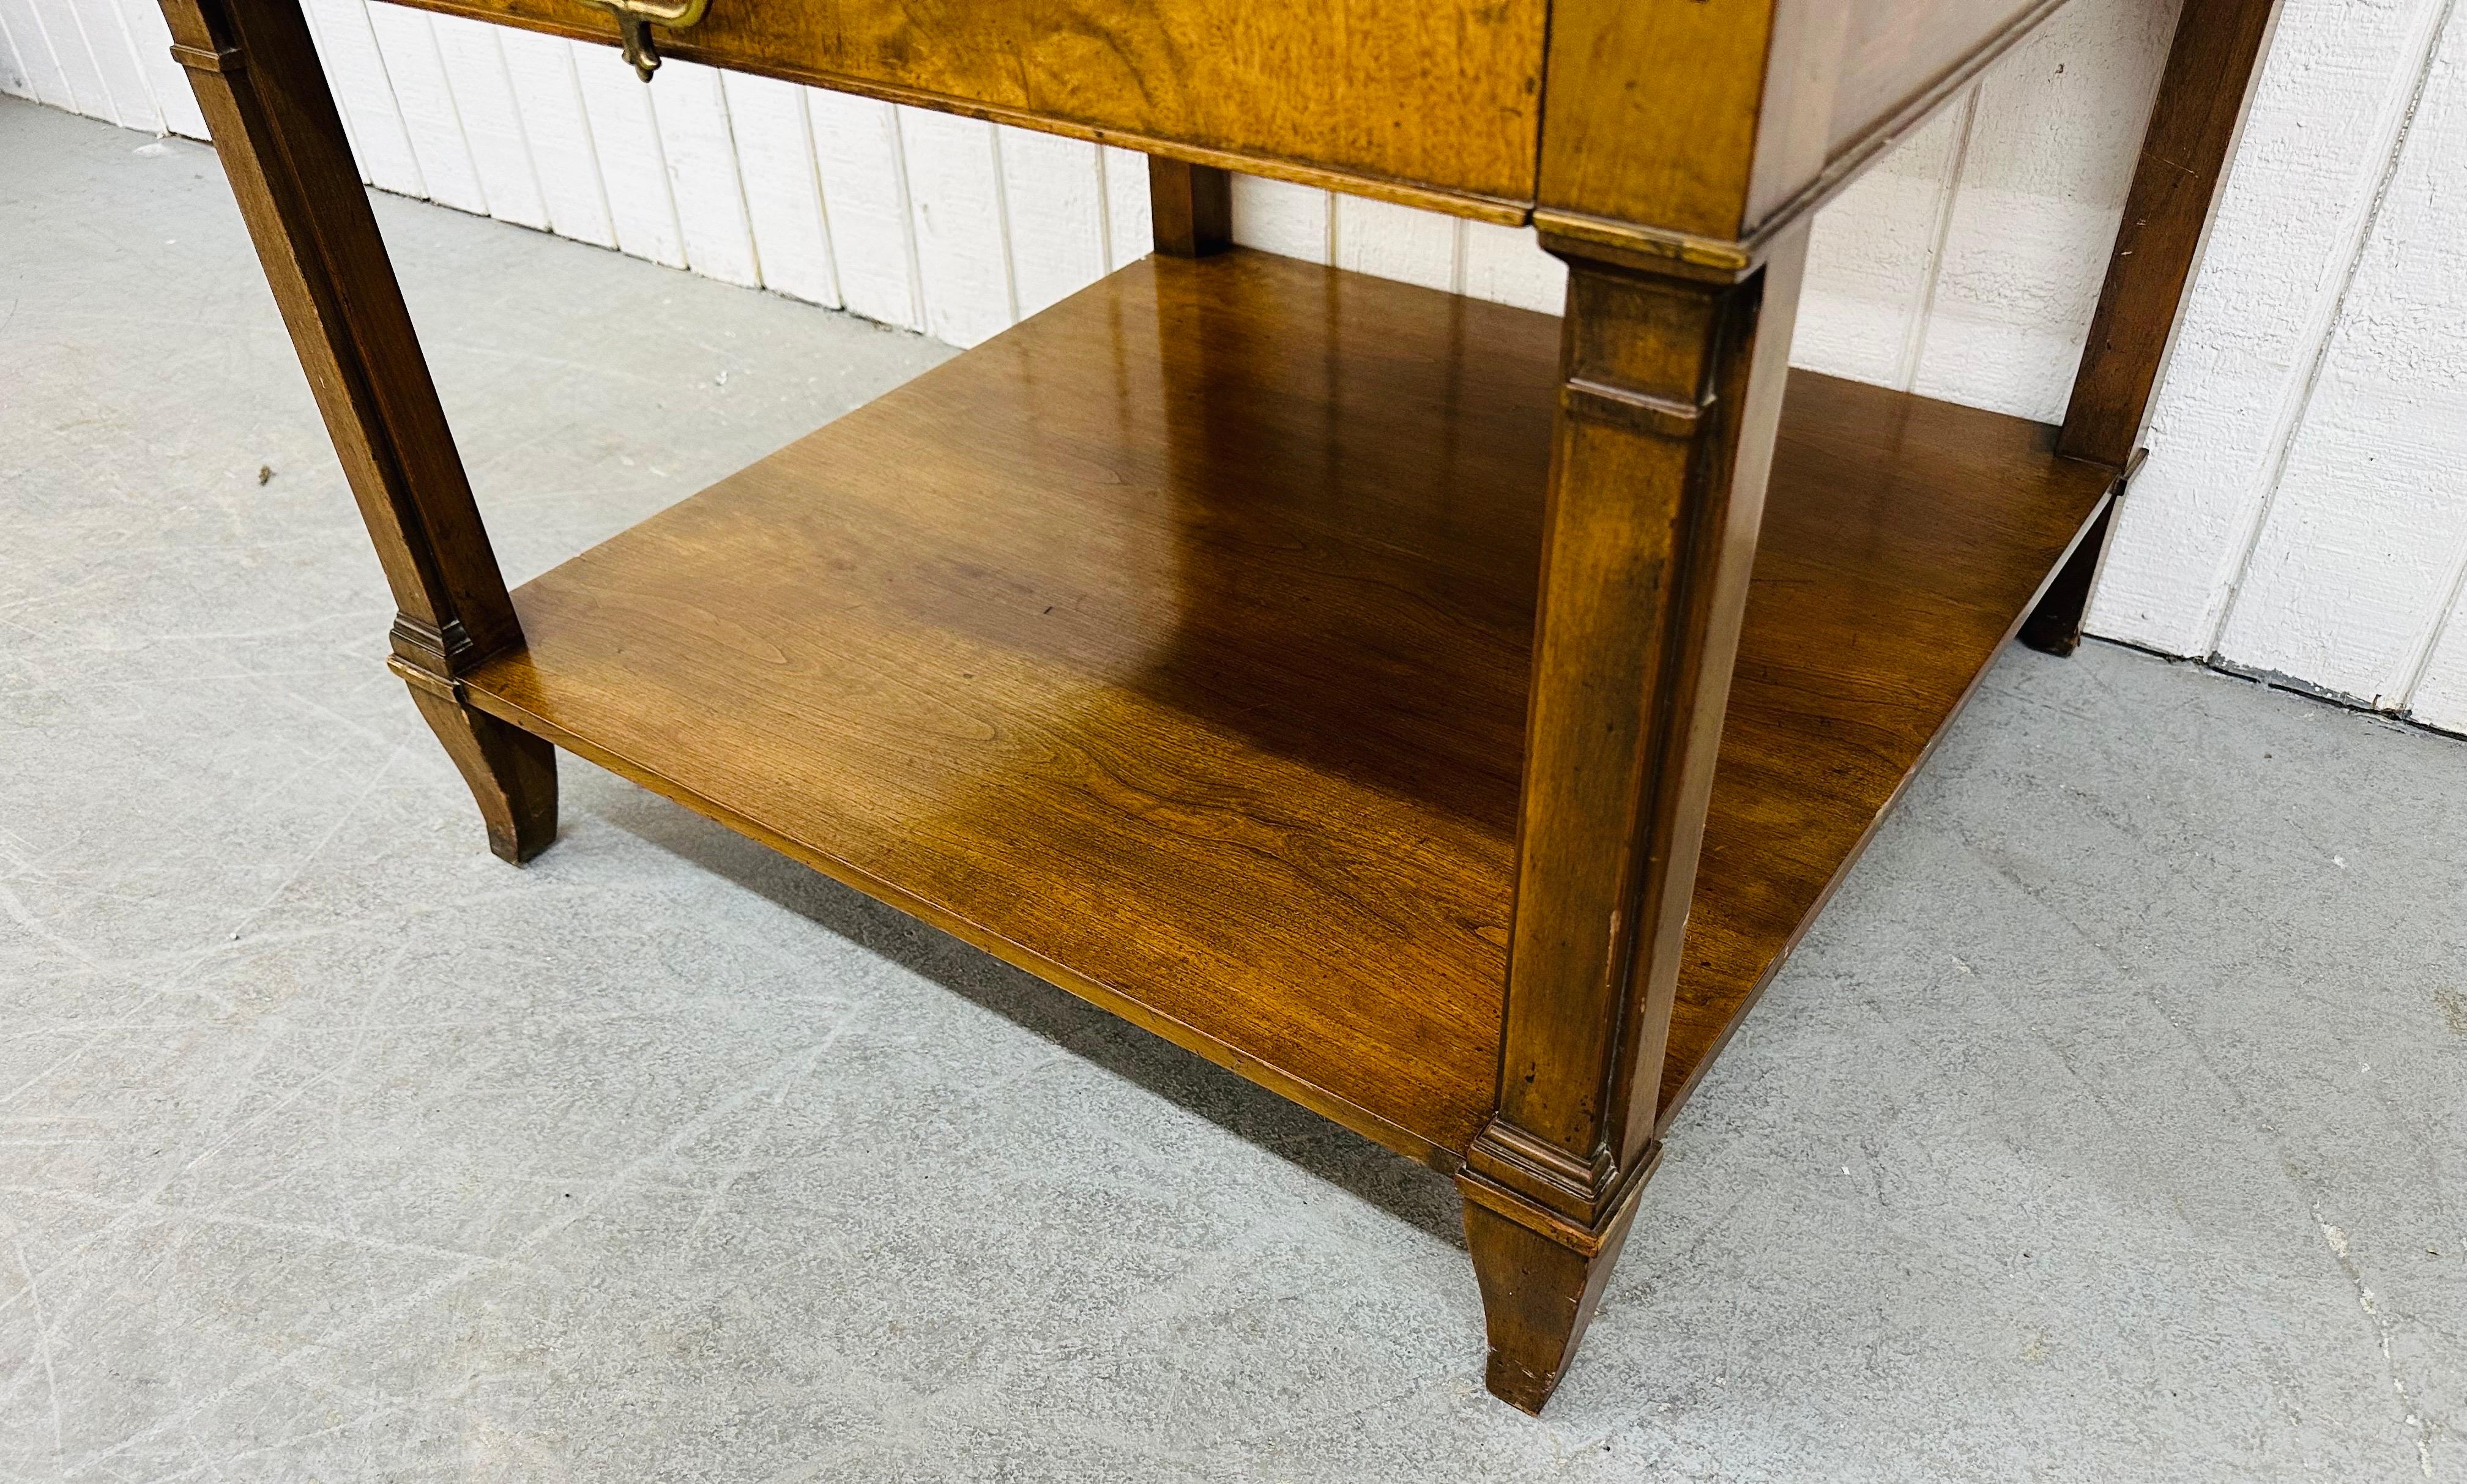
{"points": [[1231, 1058], [1669, 1110]]}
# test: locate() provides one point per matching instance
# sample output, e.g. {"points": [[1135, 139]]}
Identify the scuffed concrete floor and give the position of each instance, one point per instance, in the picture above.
{"points": [[2113, 1123]]}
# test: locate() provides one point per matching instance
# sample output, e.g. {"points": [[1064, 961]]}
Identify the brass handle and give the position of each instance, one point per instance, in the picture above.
{"points": [[635, 19]]}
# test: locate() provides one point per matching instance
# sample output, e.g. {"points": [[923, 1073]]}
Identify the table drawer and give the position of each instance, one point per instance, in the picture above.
{"points": [[1441, 97]]}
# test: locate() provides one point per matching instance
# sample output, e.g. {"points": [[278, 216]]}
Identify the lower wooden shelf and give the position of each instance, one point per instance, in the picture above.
{"points": [[1172, 646]]}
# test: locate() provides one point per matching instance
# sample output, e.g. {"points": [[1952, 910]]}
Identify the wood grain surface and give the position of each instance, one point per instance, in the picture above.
{"points": [[1904, 540], [1443, 99], [1670, 401], [1173, 646], [1669, 123]]}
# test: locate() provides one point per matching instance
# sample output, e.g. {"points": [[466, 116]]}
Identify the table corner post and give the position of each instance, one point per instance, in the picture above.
{"points": [[2204, 94], [1669, 403], [1193, 206], [281, 143]]}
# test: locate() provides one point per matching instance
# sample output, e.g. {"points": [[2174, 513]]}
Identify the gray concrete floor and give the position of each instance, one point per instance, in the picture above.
{"points": [[2110, 1125]]}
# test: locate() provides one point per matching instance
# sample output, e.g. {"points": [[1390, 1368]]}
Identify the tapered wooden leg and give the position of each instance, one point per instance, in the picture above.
{"points": [[1192, 207], [2055, 626], [2203, 96], [1539, 1290], [512, 773], [281, 146], [2200, 104], [1670, 401]]}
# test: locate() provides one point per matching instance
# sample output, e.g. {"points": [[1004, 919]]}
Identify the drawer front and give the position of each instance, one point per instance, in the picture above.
{"points": [[1443, 96]]}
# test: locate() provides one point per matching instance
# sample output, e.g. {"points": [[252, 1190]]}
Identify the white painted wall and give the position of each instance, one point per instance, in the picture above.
{"points": [[2305, 509]]}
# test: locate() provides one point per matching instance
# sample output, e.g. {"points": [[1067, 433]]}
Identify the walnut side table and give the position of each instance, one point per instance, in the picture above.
{"points": [[1446, 716]]}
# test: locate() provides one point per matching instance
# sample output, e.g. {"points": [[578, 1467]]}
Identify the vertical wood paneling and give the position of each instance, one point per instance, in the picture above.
{"points": [[357, 73], [67, 31], [81, 84], [2331, 100], [1055, 196], [129, 101], [2360, 557], [1395, 243], [691, 114], [1130, 220], [150, 37], [1278, 217], [36, 59], [492, 122], [955, 199], [408, 46], [84, 84], [2048, 161], [633, 168], [564, 165], [1507, 265], [2440, 695], [865, 195], [14, 80], [1871, 265], [784, 203]]}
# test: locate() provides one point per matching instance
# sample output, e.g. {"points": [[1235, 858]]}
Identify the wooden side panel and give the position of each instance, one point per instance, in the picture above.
{"points": [[1725, 120], [1653, 111], [1441, 97]]}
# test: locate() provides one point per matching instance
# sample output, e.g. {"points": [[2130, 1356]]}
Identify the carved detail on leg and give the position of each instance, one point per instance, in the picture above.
{"points": [[512, 773], [1669, 409], [281, 141], [1541, 1280], [2055, 626]]}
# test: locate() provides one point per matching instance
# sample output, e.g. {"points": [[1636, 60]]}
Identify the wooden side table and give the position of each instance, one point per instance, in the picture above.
{"points": [[1446, 716]]}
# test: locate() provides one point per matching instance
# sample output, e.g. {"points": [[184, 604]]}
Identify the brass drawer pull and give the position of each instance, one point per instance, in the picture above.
{"points": [[635, 19]]}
